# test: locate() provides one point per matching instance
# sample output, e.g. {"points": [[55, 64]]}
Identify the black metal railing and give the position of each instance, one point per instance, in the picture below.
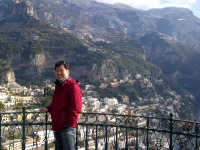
{"points": [[32, 130]]}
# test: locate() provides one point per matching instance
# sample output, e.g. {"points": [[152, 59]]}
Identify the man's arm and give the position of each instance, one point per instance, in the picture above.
{"points": [[75, 107], [44, 110]]}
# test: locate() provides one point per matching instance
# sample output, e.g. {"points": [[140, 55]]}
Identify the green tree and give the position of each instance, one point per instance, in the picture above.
{"points": [[81, 143], [3, 148], [51, 145], [1, 106], [46, 101], [20, 104]]}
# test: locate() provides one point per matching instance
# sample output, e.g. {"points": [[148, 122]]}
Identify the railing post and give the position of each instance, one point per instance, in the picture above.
{"points": [[126, 146], [23, 128], [106, 144], [46, 140], [0, 132], [96, 141], [171, 130], [86, 140], [76, 138], [136, 145], [147, 133], [116, 141], [196, 131]]}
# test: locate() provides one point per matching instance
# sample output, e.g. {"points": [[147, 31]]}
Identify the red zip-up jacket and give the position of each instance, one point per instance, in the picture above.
{"points": [[66, 104]]}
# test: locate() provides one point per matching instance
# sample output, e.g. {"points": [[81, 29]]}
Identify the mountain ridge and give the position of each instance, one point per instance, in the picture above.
{"points": [[99, 40]]}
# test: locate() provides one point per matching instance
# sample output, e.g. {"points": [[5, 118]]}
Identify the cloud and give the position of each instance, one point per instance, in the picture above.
{"points": [[147, 4]]}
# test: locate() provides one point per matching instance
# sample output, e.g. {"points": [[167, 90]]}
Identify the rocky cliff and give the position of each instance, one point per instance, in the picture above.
{"points": [[7, 74], [179, 23], [91, 16], [22, 9], [109, 34], [9, 77], [16, 9]]}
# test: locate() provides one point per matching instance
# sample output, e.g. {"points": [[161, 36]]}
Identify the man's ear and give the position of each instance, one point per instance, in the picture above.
{"points": [[68, 71]]}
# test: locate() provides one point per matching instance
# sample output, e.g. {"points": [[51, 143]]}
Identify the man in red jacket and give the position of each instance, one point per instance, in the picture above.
{"points": [[65, 107]]}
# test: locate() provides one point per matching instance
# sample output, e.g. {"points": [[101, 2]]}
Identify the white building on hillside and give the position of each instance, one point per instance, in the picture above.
{"points": [[110, 101], [3, 97]]}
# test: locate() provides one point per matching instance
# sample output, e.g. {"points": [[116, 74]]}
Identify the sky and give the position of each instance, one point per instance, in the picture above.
{"points": [[193, 5]]}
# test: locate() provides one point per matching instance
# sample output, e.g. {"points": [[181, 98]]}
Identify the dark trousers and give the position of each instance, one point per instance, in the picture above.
{"points": [[65, 139]]}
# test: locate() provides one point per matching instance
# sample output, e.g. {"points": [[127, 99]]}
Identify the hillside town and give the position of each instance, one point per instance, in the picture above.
{"points": [[13, 95]]}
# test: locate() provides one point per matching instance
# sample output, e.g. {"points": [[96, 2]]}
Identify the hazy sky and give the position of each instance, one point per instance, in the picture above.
{"points": [[193, 5]]}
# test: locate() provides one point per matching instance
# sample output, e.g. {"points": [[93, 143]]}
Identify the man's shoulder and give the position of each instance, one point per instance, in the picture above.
{"points": [[72, 81]]}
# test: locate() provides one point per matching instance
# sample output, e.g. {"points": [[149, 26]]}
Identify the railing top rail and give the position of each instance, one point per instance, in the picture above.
{"points": [[108, 114], [172, 131], [140, 116]]}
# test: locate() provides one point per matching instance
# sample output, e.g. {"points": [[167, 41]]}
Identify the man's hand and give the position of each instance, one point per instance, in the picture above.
{"points": [[43, 110]]}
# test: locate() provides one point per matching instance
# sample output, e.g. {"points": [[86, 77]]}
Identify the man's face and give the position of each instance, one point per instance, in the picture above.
{"points": [[61, 73]]}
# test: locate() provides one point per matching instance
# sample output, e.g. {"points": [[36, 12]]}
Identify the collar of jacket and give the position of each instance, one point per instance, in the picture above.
{"points": [[58, 82], [68, 80]]}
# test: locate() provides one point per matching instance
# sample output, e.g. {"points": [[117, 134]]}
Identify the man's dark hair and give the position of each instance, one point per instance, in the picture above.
{"points": [[59, 63]]}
